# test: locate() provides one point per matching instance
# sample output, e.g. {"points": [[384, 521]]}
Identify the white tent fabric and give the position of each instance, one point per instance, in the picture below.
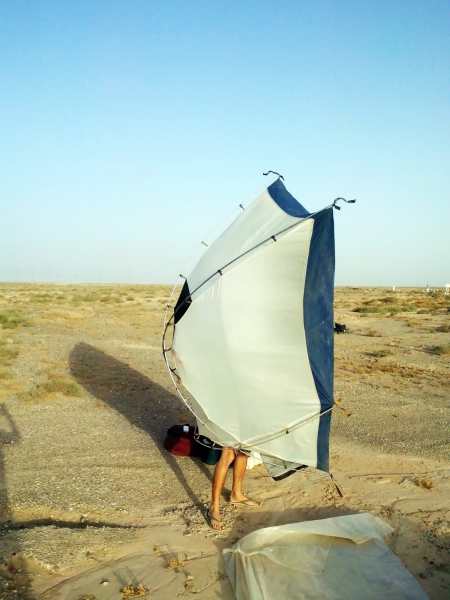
{"points": [[342, 558], [240, 345]]}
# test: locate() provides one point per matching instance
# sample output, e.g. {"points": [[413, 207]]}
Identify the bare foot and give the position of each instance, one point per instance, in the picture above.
{"points": [[213, 515], [241, 499]]}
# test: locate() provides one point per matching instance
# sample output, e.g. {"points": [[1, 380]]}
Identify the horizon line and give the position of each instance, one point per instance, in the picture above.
{"points": [[156, 283]]}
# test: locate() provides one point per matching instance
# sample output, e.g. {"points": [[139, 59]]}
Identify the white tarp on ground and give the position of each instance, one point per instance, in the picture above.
{"points": [[342, 558]]}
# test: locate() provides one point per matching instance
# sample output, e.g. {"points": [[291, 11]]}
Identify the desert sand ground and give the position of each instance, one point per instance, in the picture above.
{"points": [[91, 502]]}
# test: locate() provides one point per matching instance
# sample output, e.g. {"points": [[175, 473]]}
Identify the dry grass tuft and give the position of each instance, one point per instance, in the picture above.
{"points": [[61, 386], [175, 563], [425, 483], [112, 299], [384, 309], [372, 367], [52, 387], [133, 591], [387, 299], [370, 333], [11, 319], [407, 301], [378, 353], [42, 298]]}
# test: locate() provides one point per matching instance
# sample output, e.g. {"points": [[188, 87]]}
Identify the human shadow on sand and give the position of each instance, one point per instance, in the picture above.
{"points": [[14, 578], [143, 402]]}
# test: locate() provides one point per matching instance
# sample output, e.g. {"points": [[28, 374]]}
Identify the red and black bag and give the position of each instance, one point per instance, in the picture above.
{"points": [[183, 440], [180, 440]]}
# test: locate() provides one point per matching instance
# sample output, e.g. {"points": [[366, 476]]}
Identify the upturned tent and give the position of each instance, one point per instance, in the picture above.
{"points": [[252, 335]]}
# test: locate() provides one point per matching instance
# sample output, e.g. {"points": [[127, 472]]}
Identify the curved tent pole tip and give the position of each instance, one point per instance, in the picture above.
{"points": [[274, 173], [340, 199]]}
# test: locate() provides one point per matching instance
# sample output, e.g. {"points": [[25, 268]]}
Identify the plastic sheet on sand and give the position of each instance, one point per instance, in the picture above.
{"points": [[341, 558]]}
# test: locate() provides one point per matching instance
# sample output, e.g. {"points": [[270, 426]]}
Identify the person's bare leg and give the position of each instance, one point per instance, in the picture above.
{"points": [[237, 492], [239, 468], [220, 473]]}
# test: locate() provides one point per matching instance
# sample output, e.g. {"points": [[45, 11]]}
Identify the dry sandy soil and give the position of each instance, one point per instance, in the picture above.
{"points": [[92, 503]]}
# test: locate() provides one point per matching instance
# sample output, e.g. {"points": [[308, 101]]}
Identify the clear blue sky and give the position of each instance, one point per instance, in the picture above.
{"points": [[129, 129]]}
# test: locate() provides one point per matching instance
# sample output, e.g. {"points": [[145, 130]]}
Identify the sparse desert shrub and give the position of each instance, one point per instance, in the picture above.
{"points": [[41, 297], [370, 333], [389, 367], [384, 309], [378, 353], [440, 350], [362, 309], [110, 298], [61, 386], [432, 303], [87, 298], [418, 324], [442, 310], [388, 300], [10, 319], [133, 591], [7, 354], [54, 385]]}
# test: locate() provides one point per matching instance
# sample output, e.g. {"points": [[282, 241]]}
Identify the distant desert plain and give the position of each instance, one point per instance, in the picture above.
{"points": [[92, 505]]}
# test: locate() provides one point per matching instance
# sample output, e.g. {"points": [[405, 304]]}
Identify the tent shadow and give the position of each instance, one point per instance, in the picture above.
{"points": [[143, 402]]}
